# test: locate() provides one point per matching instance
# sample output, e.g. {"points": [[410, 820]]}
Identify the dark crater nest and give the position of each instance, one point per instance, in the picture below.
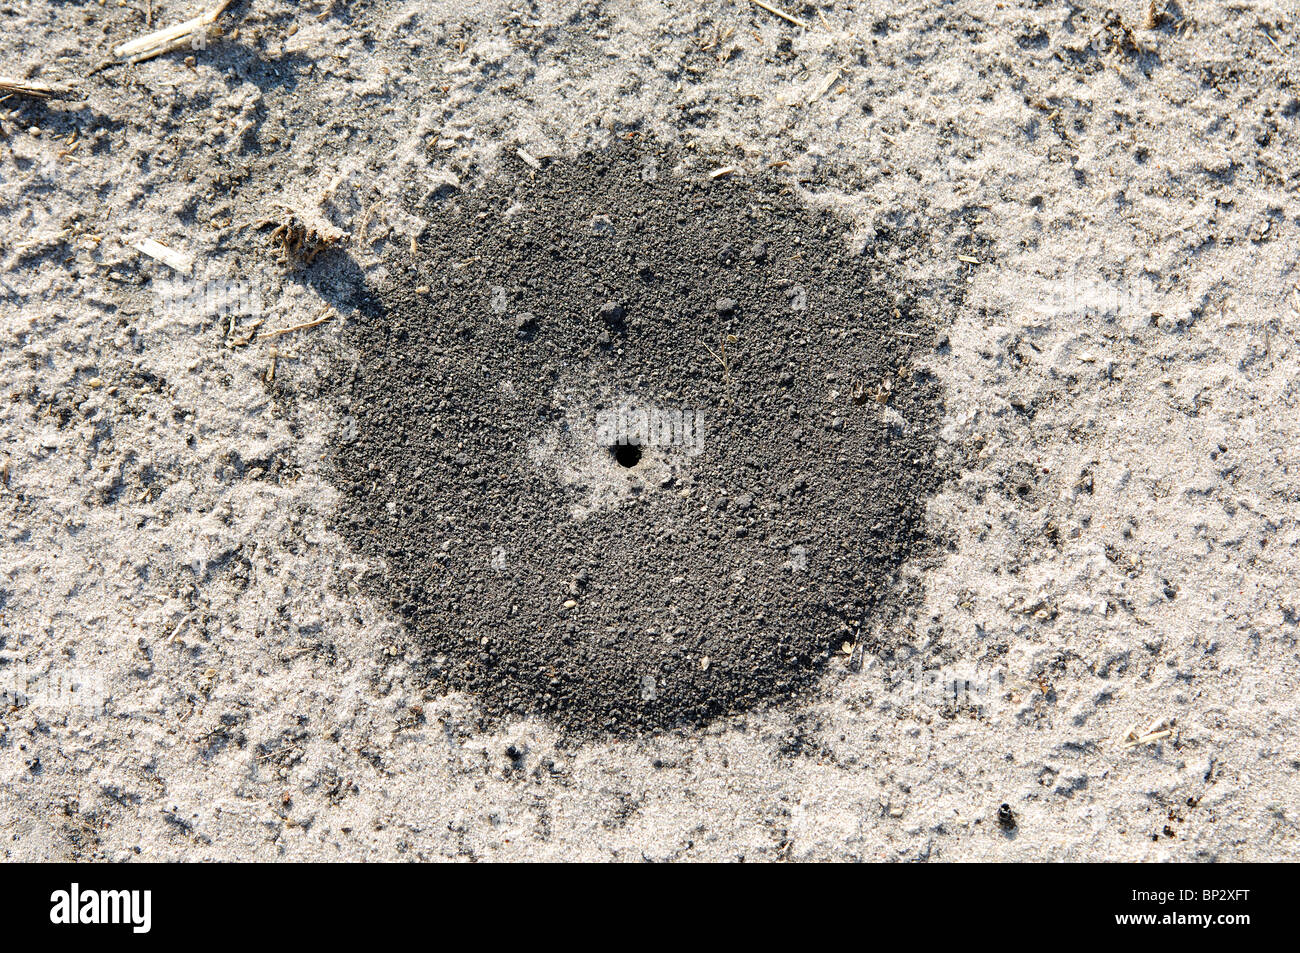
{"points": [[617, 577]]}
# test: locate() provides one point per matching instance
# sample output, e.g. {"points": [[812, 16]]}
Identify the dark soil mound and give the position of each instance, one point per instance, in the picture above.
{"points": [[638, 447]]}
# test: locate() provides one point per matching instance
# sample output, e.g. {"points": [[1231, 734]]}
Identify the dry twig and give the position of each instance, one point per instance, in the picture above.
{"points": [[170, 38], [297, 327], [780, 13], [20, 87]]}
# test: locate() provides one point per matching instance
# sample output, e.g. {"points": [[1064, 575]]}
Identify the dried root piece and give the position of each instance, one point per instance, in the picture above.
{"points": [[1120, 38], [300, 237]]}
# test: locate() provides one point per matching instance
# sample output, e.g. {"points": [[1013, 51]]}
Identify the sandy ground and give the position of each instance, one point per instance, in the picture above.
{"points": [[190, 663]]}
